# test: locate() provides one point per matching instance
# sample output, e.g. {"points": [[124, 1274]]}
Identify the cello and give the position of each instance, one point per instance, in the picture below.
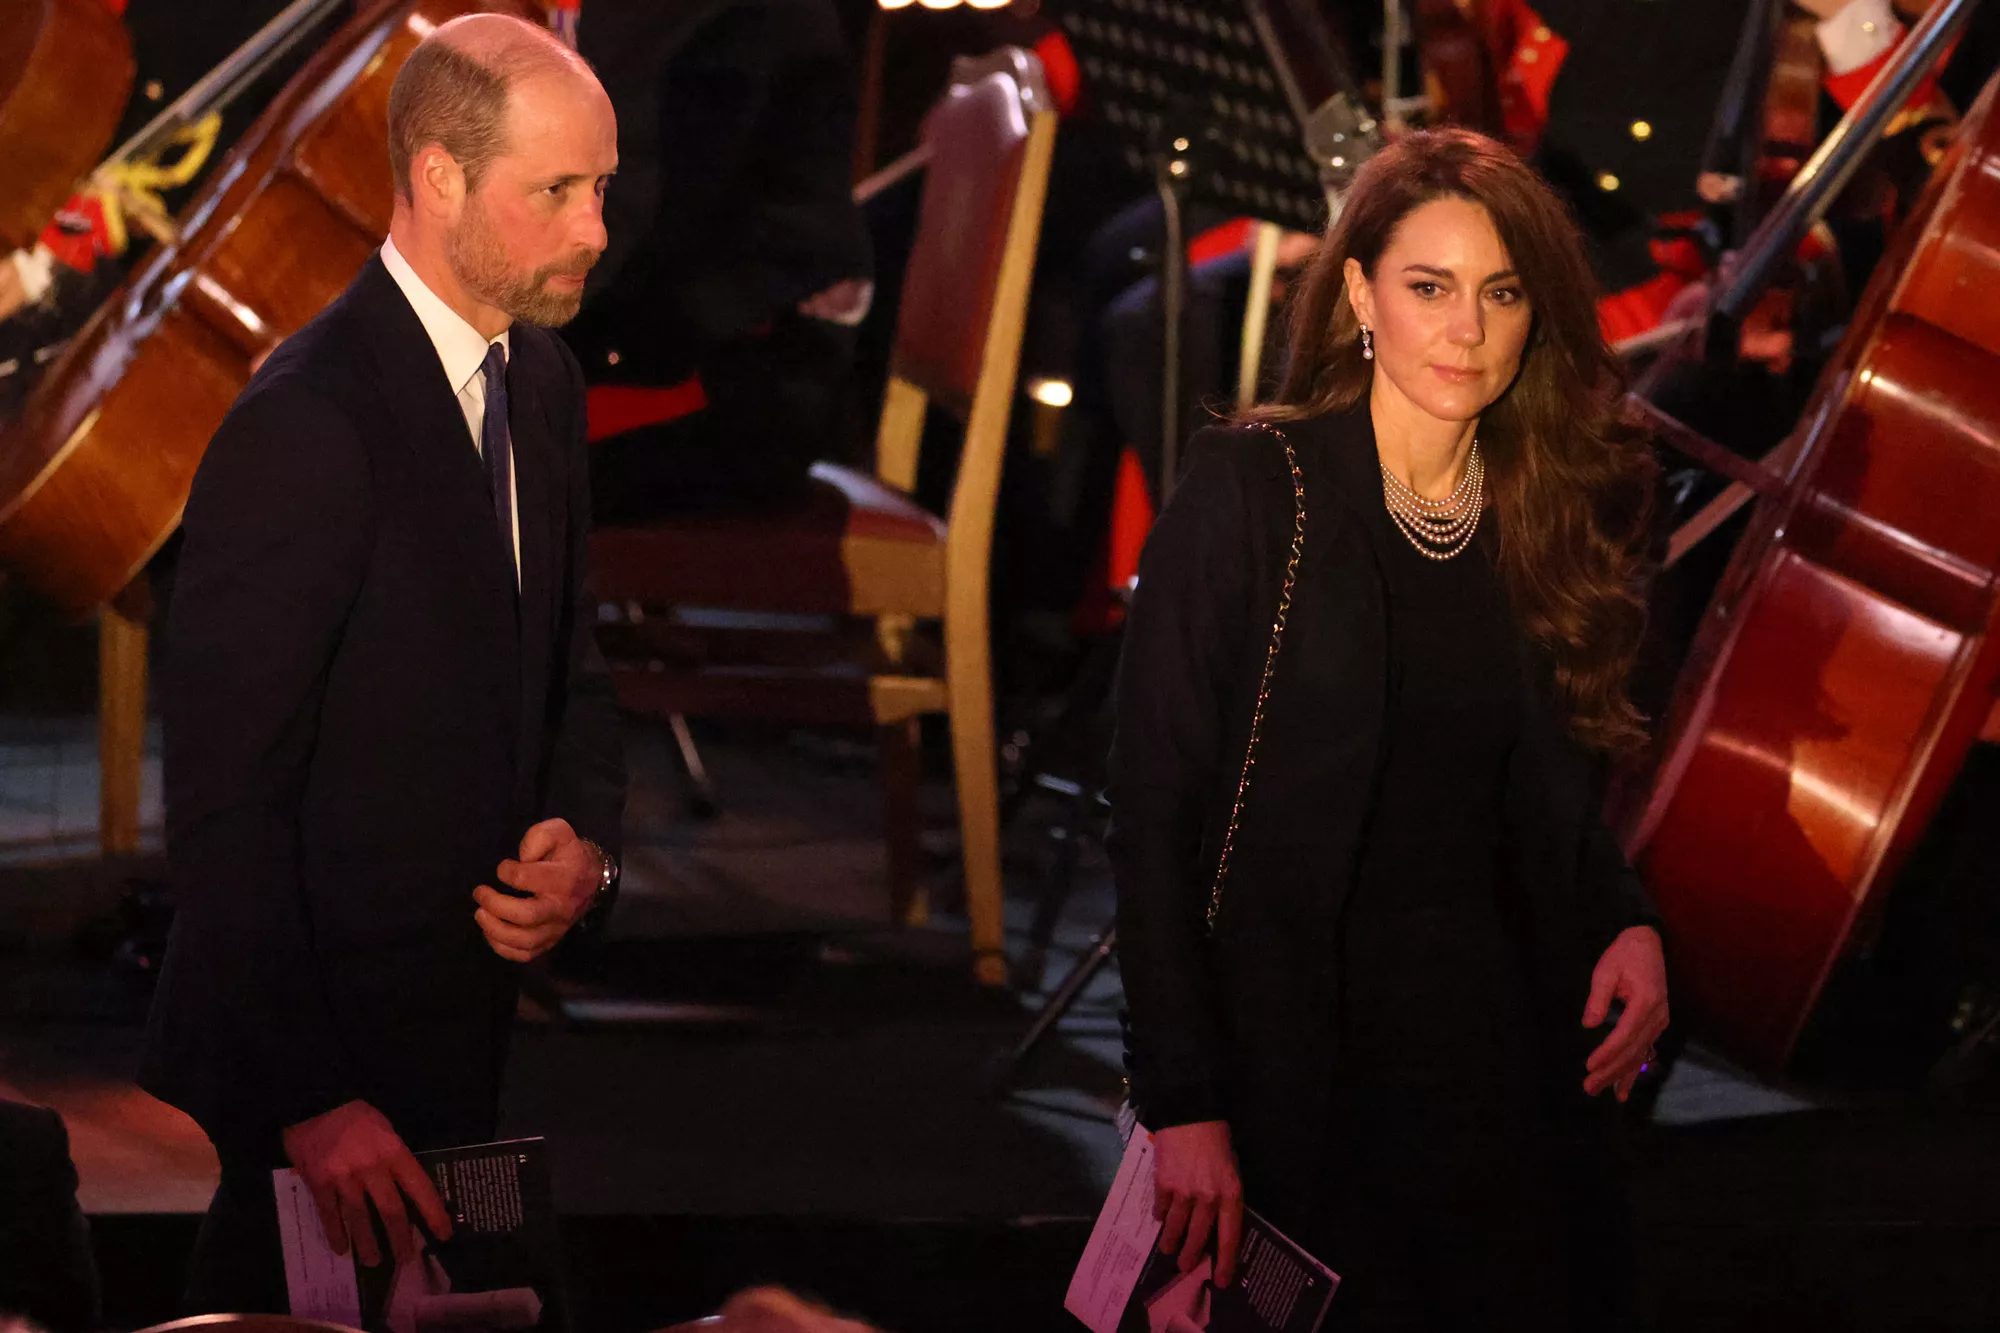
{"points": [[96, 468], [1849, 657], [65, 72]]}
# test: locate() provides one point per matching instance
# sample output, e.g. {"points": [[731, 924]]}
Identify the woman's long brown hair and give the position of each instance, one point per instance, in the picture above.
{"points": [[1573, 485]]}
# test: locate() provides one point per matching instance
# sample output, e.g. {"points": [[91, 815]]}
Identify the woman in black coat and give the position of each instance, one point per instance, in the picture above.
{"points": [[1370, 923]]}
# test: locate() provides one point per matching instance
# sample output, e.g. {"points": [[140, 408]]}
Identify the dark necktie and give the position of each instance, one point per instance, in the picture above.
{"points": [[495, 446]]}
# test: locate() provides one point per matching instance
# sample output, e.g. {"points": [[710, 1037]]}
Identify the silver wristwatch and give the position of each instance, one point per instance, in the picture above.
{"points": [[607, 876]]}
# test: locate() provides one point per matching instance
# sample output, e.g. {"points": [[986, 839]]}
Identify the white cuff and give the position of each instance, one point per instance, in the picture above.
{"points": [[1859, 33], [846, 303], [37, 271]]}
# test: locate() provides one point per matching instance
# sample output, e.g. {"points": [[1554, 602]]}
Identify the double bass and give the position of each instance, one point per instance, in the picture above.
{"points": [[1849, 657], [95, 470], [65, 72]]}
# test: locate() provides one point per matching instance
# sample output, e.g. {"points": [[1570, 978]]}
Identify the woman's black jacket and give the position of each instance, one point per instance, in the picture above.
{"points": [[1240, 1025]]}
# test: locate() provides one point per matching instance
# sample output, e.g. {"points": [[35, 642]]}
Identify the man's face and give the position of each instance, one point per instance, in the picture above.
{"points": [[528, 234]]}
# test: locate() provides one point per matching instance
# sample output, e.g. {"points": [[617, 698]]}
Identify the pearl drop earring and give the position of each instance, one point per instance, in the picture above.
{"points": [[1367, 344]]}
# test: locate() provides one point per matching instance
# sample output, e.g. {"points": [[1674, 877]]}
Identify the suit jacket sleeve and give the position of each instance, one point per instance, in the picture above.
{"points": [[277, 535], [48, 1273], [1616, 896], [586, 773], [1176, 675]]}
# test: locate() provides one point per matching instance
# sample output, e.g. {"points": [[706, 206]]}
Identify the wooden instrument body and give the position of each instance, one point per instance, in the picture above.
{"points": [[65, 72], [94, 473], [1847, 661]]}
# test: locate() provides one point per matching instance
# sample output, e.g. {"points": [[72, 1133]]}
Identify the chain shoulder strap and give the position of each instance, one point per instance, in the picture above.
{"points": [[1270, 666]]}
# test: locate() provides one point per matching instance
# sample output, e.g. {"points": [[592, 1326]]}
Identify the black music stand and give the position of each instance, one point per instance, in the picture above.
{"points": [[1251, 105]]}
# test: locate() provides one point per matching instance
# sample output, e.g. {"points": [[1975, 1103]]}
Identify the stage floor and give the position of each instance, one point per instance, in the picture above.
{"points": [[802, 1094]]}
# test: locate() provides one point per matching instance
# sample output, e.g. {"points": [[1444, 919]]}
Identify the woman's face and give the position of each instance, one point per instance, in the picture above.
{"points": [[1448, 315]]}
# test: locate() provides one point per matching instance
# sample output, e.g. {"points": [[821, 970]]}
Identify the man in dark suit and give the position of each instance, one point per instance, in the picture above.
{"points": [[722, 320], [47, 1272], [392, 764]]}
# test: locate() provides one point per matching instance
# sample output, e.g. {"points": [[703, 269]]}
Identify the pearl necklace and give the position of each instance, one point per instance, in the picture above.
{"points": [[1439, 529]]}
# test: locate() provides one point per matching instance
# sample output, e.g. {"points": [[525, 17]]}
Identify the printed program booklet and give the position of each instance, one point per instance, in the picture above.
{"points": [[501, 1269], [1125, 1285]]}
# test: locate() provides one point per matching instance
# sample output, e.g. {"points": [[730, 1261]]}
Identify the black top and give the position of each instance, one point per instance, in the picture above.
{"points": [[1424, 926], [1239, 1023]]}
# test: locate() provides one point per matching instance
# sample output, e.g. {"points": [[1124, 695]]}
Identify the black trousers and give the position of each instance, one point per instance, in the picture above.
{"points": [[238, 1265], [1440, 1216]]}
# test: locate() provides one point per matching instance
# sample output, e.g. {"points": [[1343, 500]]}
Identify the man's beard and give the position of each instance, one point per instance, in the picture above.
{"points": [[478, 257]]}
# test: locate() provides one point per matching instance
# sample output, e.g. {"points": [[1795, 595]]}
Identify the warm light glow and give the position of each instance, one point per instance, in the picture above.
{"points": [[1051, 393], [989, 4], [894, 4], [1641, 130], [1607, 182], [938, 4]]}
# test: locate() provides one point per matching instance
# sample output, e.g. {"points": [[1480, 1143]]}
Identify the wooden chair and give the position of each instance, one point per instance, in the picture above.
{"points": [[828, 609]]}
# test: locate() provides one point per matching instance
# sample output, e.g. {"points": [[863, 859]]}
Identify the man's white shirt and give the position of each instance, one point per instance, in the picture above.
{"points": [[462, 350]]}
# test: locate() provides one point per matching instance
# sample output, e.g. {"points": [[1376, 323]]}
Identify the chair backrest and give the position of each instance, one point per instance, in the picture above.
{"points": [[965, 292], [978, 139]]}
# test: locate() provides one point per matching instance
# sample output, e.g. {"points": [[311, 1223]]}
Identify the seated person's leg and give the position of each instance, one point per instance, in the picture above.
{"points": [[1134, 340]]}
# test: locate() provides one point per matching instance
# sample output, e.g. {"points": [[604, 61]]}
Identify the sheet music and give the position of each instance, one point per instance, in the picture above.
{"points": [[1120, 1243], [321, 1283]]}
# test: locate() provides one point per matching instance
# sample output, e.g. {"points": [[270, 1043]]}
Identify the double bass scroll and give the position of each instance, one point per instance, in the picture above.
{"points": [[96, 469], [65, 72]]}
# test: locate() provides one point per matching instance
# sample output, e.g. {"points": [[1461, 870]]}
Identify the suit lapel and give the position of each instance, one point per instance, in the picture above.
{"points": [[421, 401], [519, 629]]}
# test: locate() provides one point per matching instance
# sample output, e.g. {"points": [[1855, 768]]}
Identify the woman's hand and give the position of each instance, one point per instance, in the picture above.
{"points": [[1196, 1189], [1633, 970]]}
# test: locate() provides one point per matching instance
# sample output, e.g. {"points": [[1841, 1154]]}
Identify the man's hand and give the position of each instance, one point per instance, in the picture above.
{"points": [[1196, 1190], [351, 1156], [560, 874], [1633, 970]]}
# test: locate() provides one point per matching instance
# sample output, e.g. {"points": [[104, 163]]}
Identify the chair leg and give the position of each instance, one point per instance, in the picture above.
{"points": [[902, 773], [975, 759], [121, 728]]}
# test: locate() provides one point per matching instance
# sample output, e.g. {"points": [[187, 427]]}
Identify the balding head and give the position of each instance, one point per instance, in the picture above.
{"points": [[502, 142], [453, 90]]}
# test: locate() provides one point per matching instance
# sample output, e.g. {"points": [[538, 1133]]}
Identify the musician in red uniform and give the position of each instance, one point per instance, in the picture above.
{"points": [[48, 291], [717, 333]]}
